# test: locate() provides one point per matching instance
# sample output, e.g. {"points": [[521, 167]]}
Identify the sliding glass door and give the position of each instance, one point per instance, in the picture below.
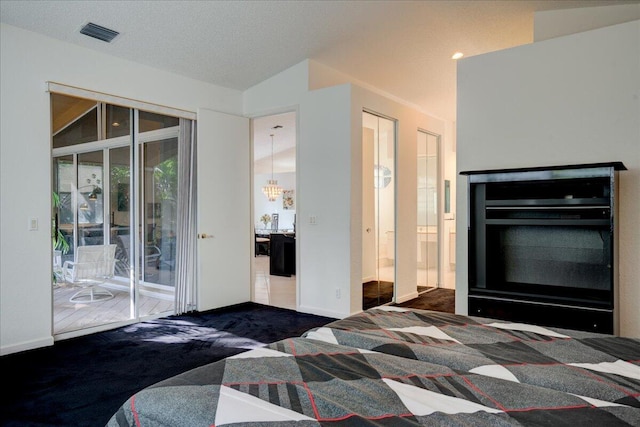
{"points": [[115, 182], [90, 198], [64, 183], [119, 209], [158, 215]]}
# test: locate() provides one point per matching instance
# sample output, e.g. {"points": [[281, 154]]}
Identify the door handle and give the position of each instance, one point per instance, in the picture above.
{"points": [[368, 230], [205, 236]]}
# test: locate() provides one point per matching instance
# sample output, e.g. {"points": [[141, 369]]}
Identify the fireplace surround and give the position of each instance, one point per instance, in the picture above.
{"points": [[542, 245]]}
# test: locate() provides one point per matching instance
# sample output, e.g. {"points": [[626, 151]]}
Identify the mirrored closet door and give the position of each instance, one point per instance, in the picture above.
{"points": [[378, 210], [427, 234]]}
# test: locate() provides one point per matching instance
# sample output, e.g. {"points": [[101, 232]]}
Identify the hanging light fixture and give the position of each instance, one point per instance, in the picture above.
{"points": [[272, 190], [94, 194]]}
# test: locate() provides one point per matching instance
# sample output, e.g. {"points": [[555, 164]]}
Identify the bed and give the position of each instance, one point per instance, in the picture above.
{"points": [[393, 366]]}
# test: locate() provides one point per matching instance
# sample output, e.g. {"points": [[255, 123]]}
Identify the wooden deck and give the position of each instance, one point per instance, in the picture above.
{"points": [[69, 316]]}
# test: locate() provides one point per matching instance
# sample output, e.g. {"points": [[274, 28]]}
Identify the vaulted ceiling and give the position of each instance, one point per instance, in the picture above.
{"points": [[401, 47]]}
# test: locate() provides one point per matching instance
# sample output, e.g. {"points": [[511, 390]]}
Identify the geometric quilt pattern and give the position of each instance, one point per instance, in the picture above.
{"points": [[393, 366]]}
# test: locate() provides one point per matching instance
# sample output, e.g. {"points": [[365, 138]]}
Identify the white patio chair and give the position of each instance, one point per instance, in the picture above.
{"points": [[92, 267]]}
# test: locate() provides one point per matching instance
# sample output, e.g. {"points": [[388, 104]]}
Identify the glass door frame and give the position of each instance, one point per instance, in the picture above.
{"points": [[74, 150], [135, 141], [394, 183], [140, 208], [439, 204]]}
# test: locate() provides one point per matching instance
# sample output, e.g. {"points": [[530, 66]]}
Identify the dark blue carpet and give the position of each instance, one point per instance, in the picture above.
{"points": [[83, 381]]}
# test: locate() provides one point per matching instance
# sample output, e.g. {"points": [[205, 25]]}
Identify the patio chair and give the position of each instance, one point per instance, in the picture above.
{"points": [[152, 255], [92, 267]]}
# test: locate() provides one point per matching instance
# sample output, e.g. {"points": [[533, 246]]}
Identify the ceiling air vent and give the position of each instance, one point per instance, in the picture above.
{"points": [[98, 32]]}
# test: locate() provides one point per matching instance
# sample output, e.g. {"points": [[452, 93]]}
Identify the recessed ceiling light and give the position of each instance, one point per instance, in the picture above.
{"points": [[457, 55]]}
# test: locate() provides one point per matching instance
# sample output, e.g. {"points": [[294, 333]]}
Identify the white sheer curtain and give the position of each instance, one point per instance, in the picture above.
{"points": [[186, 245]]}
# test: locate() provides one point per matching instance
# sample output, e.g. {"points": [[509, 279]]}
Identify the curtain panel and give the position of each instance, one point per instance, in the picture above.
{"points": [[186, 245]]}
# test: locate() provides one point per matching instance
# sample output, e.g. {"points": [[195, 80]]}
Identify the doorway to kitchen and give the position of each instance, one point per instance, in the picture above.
{"points": [[274, 210]]}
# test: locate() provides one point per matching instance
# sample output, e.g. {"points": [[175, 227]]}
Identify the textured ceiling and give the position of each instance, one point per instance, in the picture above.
{"points": [[284, 143], [401, 47]]}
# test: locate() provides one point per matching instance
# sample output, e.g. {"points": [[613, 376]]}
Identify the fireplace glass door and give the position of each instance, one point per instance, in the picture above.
{"points": [[558, 262]]}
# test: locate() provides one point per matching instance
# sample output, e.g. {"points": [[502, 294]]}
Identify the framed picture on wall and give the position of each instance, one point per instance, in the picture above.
{"points": [[288, 200]]}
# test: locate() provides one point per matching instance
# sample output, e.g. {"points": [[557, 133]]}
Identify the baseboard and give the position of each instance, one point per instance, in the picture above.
{"points": [[24, 346], [321, 312], [407, 297]]}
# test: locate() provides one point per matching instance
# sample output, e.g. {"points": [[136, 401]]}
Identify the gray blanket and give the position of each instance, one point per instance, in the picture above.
{"points": [[396, 366]]}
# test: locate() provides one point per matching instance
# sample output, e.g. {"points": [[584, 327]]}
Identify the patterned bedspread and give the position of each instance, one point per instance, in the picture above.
{"points": [[394, 366]]}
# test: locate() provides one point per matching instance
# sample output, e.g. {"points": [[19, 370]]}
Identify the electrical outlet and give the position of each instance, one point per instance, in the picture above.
{"points": [[313, 220], [338, 293], [33, 224]]}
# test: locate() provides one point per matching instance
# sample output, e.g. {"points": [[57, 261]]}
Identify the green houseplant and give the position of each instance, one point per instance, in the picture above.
{"points": [[58, 241], [57, 238]]}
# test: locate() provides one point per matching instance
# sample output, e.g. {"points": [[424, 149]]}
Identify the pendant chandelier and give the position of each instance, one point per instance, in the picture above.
{"points": [[272, 190]]}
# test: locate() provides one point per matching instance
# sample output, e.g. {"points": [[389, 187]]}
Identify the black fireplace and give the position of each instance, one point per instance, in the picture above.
{"points": [[541, 245]]}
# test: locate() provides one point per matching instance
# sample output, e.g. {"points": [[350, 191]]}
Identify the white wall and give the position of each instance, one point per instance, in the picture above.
{"points": [[330, 188], [324, 174], [278, 93], [329, 185], [556, 23], [27, 61], [448, 149], [321, 76], [408, 122], [329, 257], [262, 205], [568, 100]]}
